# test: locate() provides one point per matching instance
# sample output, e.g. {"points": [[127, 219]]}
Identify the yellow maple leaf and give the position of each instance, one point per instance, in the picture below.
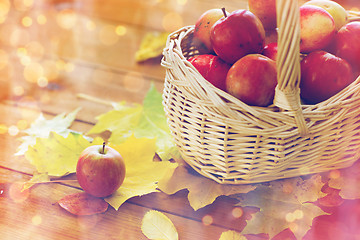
{"points": [[156, 225], [58, 155], [232, 235], [142, 173], [151, 46]]}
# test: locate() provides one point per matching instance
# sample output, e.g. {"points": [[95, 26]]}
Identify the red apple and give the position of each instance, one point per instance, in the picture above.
{"points": [[317, 28], [323, 75], [265, 10], [236, 35], [347, 43], [212, 68], [337, 11], [252, 79], [100, 170], [203, 26], [270, 50]]}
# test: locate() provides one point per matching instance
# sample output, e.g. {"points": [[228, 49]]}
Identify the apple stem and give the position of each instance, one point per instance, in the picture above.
{"points": [[103, 149], [223, 10]]}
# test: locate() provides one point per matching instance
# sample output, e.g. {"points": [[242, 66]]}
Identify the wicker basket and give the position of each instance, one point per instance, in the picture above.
{"points": [[233, 143]]}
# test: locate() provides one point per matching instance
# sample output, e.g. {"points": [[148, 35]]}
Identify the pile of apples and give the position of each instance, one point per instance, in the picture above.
{"points": [[239, 61]]}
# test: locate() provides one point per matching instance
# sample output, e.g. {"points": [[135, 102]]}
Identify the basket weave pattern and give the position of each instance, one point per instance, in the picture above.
{"points": [[231, 142]]}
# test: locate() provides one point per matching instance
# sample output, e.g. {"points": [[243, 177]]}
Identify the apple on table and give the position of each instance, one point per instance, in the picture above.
{"points": [[100, 170]]}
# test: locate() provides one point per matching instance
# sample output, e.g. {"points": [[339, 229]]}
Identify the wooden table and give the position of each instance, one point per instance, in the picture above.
{"points": [[75, 45]]}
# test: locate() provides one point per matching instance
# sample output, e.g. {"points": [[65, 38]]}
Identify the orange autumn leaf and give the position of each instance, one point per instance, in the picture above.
{"points": [[83, 204]]}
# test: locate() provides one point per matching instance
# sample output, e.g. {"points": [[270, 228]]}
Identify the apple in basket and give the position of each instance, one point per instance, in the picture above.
{"points": [[323, 75], [265, 10], [203, 26], [270, 50], [347, 44], [337, 11], [236, 35], [317, 28], [252, 79], [212, 68]]}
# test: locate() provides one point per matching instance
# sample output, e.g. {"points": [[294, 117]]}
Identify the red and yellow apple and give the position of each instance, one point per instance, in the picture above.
{"points": [[253, 79], [270, 50], [265, 10], [347, 44], [203, 26], [100, 170], [337, 11], [212, 68], [236, 35], [323, 75], [317, 28]]}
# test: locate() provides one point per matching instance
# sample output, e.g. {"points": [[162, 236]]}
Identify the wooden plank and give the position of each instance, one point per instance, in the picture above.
{"points": [[40, 217]]}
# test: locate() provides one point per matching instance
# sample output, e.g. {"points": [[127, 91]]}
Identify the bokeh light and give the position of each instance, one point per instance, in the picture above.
{"points": [[4, 10], [26, 21], [207, 220], [121, 30], [33, 71], [13, 130], [66, 19], [90, 25], [22, 124], [16, 192], [41, 19], [18, 91], [237, 212], [36, 220]]}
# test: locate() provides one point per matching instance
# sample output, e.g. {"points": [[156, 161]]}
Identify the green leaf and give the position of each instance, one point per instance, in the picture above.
{"points": [[284, 204], [42, 127], [147, 120], [156, 225], [142, 173], [202, 191], [58, 155]]}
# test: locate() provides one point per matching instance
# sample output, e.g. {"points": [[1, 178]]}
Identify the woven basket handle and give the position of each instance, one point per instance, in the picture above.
{"points": [[287, 92]]}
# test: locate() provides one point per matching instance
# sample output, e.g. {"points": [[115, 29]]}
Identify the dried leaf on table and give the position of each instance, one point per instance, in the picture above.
{"points": [[146, 120], [156, 225], [347, 180], [151, 46], [58, 155], [232, 235], [37, 178], [284, 204], [83, 204], [202, 191], [142, 173], [42, 127]]}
